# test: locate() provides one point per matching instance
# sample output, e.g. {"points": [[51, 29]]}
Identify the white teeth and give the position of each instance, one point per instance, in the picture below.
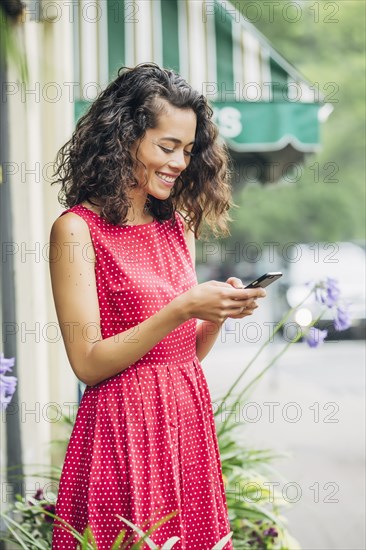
{"points": [[165, 178]]}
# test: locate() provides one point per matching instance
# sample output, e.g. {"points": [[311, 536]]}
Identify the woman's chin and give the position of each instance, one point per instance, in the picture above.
{"points": [[160, 194]]}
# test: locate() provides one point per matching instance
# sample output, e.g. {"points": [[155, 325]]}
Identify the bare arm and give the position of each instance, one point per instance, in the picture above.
{"points": [[75, 294]]}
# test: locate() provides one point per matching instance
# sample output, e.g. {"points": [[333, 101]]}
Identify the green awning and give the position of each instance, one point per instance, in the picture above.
{"points": [[262, 104], [264, 126]]}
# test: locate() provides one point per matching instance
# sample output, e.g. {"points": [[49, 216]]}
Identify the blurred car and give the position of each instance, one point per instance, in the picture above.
{"points": [[313, 262]]}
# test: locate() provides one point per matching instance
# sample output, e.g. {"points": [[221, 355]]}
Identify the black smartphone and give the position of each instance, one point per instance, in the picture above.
{"points": [[265, 280]]}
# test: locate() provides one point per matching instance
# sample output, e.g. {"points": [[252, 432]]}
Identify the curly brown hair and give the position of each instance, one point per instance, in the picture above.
{"points": [[96, 162]]}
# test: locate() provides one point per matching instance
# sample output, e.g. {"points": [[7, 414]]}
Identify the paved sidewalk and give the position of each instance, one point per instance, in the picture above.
{"points": [[318, 415]]}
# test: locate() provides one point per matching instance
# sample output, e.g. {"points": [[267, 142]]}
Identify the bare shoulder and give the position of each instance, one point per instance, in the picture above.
{"points": [[71, 231], [69, 225]]}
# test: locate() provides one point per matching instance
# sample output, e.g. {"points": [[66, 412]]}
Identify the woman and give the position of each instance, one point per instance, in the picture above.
{"points": [[144, 442]]}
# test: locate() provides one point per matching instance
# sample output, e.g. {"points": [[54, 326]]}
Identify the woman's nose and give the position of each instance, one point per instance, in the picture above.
{"points": [[178, 160]]}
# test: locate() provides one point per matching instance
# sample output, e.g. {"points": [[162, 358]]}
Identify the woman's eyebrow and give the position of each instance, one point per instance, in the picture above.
{"points": [[174, 140]]}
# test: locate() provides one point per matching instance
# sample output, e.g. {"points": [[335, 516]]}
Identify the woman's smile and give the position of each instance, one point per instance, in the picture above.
{"points": [[167, 179]]}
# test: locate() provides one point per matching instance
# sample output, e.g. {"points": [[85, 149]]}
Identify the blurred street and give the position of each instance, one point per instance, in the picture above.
{"points": [[311, 404]]}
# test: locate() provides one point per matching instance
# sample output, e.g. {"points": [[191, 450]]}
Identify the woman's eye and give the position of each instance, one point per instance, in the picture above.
{"points": [[166, 150]]}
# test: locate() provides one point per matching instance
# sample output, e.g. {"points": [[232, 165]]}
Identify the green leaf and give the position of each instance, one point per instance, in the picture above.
{"points": [[220, 545], [170, 543], [131, 537], [119, 540], [18, 539], [145, 536], [67, 527], [88, 540], [28, 536]]}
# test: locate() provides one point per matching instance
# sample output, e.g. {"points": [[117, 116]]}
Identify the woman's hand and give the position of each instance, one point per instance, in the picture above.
{"points": [[251, 304], [216, 301]]}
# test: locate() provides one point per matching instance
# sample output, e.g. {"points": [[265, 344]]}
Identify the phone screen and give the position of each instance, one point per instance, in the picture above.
{"points": [[265, 280]]}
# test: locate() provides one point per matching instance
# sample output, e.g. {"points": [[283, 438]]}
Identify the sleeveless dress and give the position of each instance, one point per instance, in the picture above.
{"points": [[144, 442]]}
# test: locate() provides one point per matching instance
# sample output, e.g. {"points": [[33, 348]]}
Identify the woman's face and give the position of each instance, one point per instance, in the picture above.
{"points": [[165, 151]]}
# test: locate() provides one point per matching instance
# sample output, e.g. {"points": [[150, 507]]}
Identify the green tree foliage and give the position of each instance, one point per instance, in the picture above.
{"points": [[325, 200]]}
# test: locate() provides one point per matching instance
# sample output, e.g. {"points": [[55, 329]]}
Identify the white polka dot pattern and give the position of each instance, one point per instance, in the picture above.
{"points": [[144, 442]]}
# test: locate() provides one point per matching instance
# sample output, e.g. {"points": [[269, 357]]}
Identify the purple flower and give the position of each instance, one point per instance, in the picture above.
{"points": [[7, 383], [49, 508], [342, 320], [39, 494], [6, 364], [271, 532], [315, 337], [328, 292]]}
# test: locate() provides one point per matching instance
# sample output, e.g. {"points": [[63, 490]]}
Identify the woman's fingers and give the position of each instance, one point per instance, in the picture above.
{"points": [[244, 309], [235, 282], [241, 301]]}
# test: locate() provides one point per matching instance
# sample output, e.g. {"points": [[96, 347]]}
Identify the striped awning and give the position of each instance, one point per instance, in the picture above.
{"points": [[261, 102]]}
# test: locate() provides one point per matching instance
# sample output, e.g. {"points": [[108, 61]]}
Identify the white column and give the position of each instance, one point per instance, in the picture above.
{"points": [[183, 39], [196, 45], [143, 40], [157, 32], [130, 31], [30, 270], [103, 43], [58, 125], [89, 54]]}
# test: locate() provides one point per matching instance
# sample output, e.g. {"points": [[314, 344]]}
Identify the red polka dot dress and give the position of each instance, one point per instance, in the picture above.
{"points": [[144, 442]]}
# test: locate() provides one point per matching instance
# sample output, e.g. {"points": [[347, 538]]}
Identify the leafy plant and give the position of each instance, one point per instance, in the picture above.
{"points": [[24, 537]]}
